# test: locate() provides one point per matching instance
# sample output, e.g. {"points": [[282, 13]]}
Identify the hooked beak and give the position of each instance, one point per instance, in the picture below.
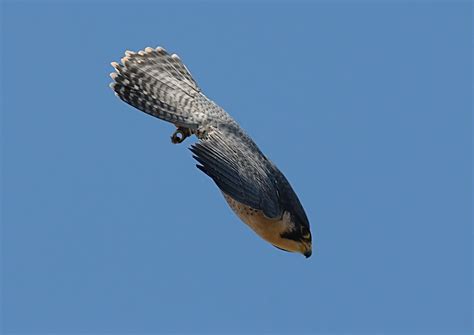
{"points": [[308, 253]]}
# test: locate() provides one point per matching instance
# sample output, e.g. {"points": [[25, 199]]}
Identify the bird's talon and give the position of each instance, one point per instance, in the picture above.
{"points": [[179, 135]]}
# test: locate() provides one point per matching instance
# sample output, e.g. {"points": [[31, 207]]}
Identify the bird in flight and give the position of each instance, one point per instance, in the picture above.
{"points": [[159, 84]]}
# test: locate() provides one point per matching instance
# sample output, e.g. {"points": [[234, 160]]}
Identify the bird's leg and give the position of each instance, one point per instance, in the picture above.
{"points": [[180, 135]]}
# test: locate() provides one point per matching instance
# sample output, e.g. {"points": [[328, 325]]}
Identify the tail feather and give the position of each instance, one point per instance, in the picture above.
{"points": [[154, 107], [158, 84]]}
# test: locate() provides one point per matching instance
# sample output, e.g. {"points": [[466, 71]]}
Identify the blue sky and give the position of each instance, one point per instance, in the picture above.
{"points": [[366, 107]]}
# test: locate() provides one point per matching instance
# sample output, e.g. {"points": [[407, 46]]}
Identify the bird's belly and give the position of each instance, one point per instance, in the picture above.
{"points": [[268, 229]]}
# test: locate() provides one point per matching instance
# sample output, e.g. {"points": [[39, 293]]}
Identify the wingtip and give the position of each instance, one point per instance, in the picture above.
{"points": [[202, 168]]}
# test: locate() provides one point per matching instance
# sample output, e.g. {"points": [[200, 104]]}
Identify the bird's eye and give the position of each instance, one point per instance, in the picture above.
{"points": [[305, 234]]}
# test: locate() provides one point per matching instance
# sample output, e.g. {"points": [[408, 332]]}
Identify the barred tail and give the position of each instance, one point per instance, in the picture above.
{"points": [[158, 84]]}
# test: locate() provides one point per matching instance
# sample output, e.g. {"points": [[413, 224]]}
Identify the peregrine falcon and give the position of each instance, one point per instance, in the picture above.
{"points": [[159, 84]]}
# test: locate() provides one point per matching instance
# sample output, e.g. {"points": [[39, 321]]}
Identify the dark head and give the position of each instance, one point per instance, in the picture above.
{"points": [[295, 234], [296, 237]]}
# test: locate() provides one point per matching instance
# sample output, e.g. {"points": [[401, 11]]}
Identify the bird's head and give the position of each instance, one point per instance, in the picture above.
{"points": [[297, 235]]}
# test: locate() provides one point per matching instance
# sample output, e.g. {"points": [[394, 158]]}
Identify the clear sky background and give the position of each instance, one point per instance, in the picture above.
{"points": [[366, 107]]}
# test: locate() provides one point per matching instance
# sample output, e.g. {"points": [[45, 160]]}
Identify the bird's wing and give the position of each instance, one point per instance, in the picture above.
{"points": [[238, 168]]}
